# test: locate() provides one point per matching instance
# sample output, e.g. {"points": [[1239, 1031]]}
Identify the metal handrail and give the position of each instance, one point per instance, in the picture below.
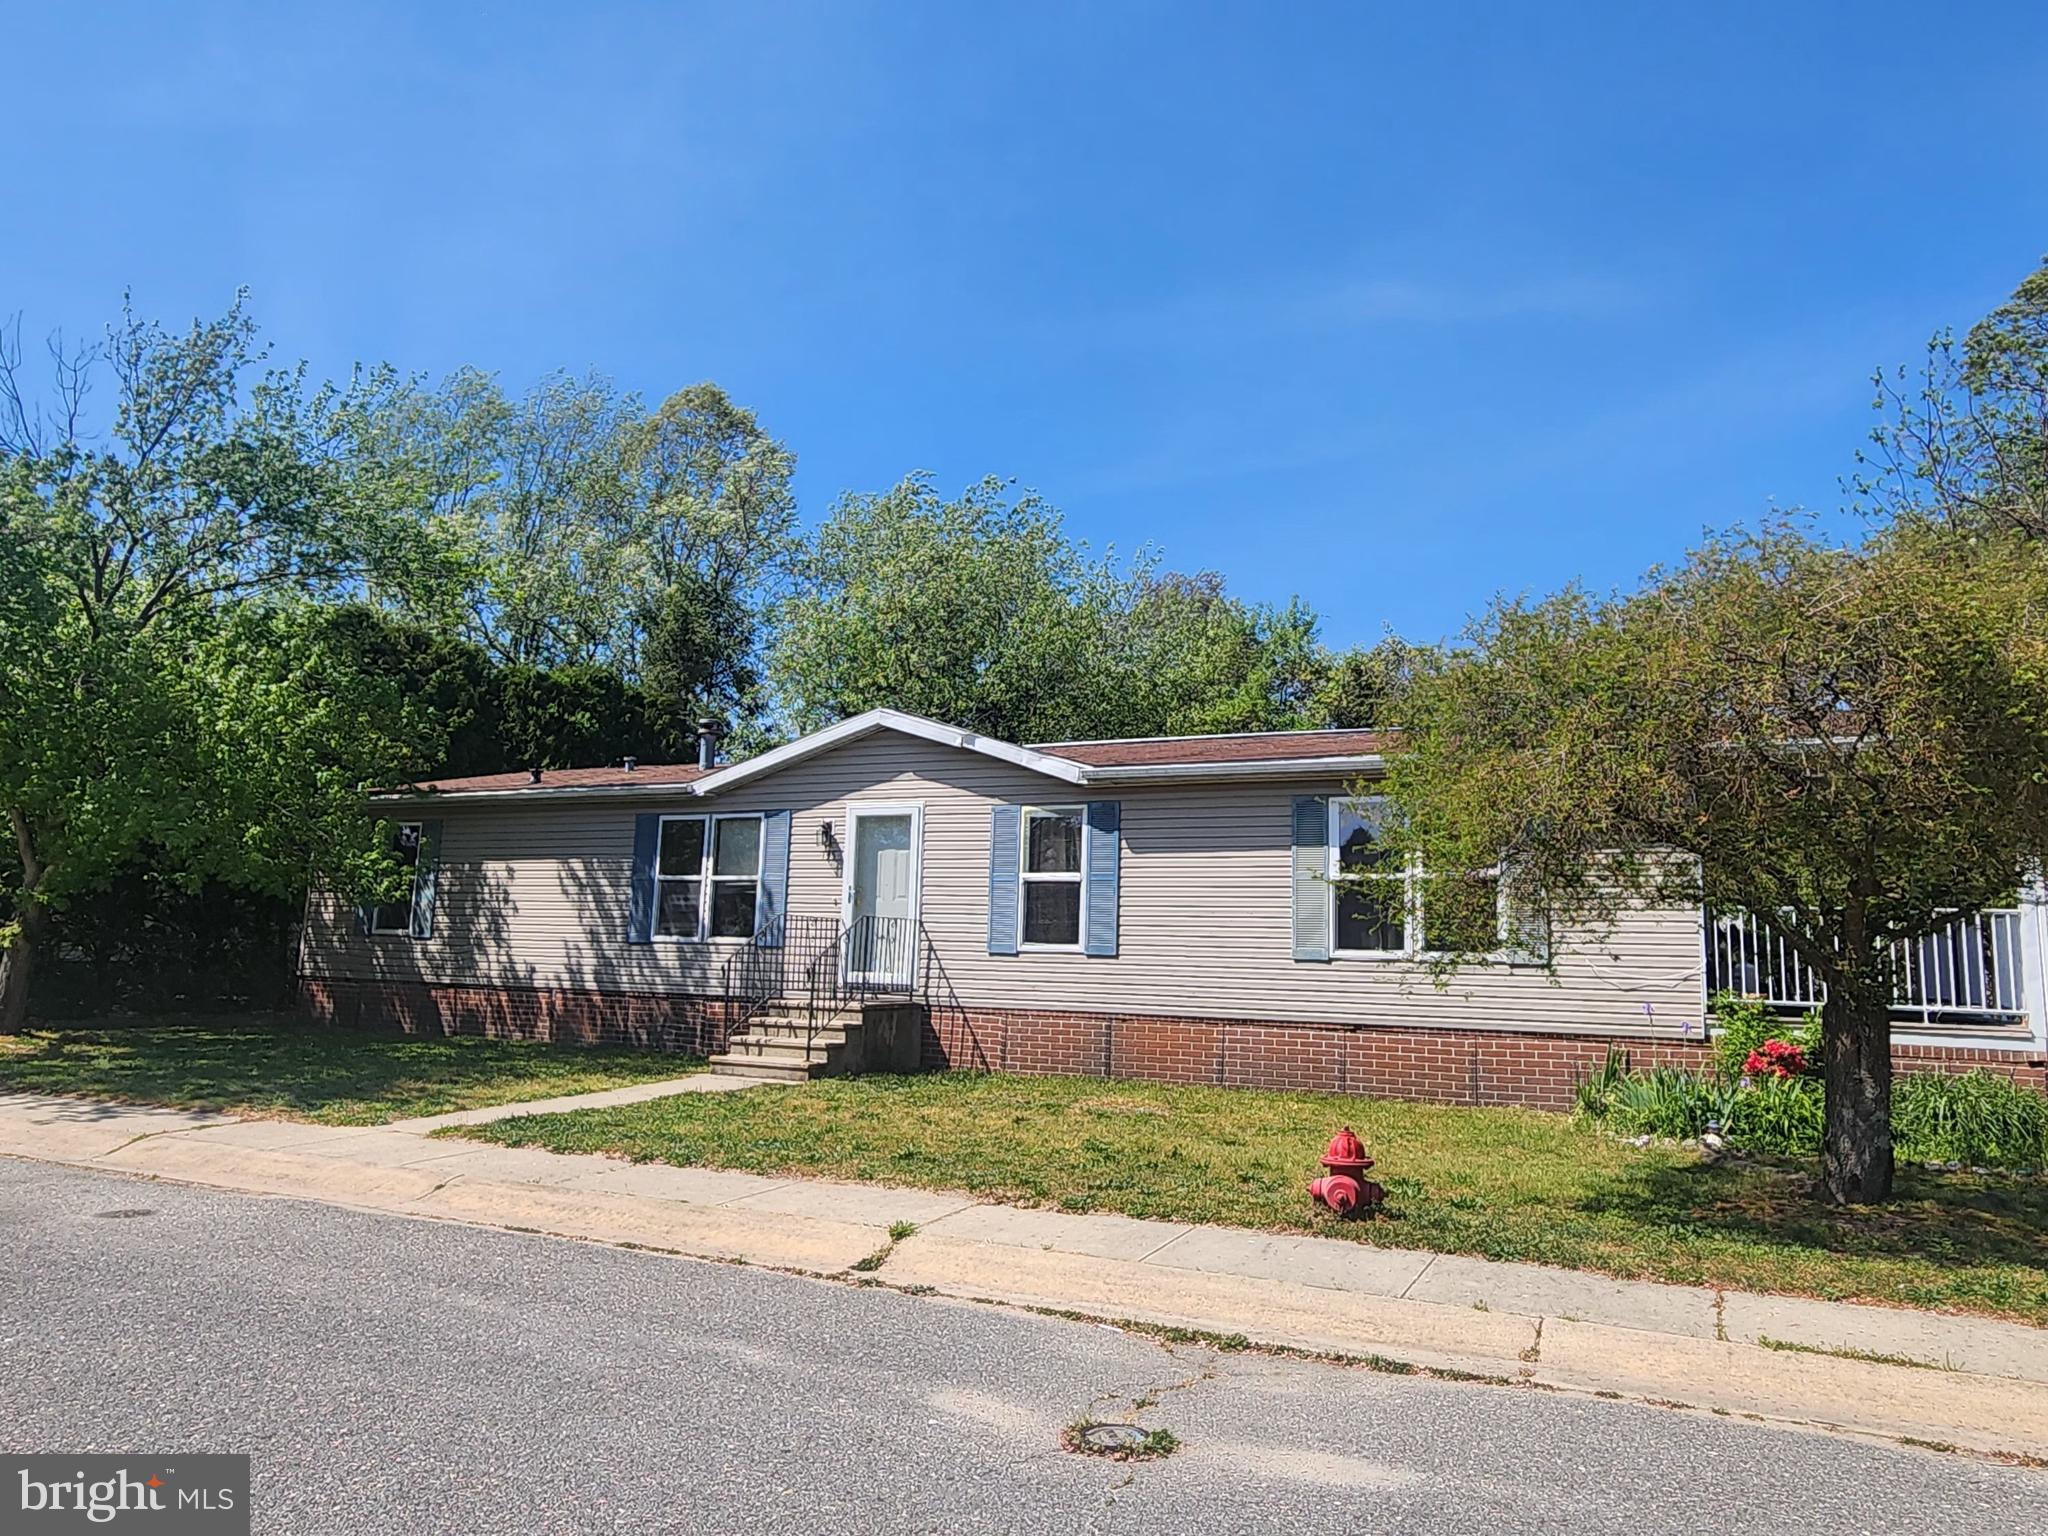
{"points": [[774, 966], [830, 967]]}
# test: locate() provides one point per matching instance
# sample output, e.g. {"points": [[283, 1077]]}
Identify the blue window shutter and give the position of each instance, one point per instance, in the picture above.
{"points": [[424, 878], [363, 919], [1105, 824], [646, 843], [774, 878], [1311, 877], [1003, 832]]}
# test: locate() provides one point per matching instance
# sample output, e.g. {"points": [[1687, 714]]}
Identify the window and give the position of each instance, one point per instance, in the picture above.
{"points": [[1051, 878], [396, 916], [1390, 909], [708, 877], [1372, 917]]}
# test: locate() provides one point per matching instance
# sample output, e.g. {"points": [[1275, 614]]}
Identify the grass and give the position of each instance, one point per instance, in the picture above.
{"points": [[1499, 1183], [306, 1072]]}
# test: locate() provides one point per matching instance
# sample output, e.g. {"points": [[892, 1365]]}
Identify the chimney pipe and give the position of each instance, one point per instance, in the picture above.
{"points": [[535, 775], [631, 763], [709, 729]]}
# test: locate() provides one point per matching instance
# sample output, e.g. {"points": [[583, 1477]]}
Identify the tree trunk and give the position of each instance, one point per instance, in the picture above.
{"points": [[1856, 1049], [17, 960], [17, 964]]}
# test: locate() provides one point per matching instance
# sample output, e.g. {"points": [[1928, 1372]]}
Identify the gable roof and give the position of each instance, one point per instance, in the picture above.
{"points": [[890, 720], [1243, 755]]}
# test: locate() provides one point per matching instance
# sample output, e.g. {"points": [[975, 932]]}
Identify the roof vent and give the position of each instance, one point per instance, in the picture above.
{"points": [[709, 730], [631, 763], [533, 775]]}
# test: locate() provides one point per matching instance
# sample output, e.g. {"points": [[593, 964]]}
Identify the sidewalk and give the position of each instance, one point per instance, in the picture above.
{"points": [[1968, 1382]]}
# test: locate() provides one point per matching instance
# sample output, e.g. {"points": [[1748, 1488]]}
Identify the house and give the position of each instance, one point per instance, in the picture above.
{"points": [[893, 891]]}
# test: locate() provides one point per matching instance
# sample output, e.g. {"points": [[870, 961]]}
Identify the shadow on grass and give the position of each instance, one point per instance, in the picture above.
{"points": [[287, 1067], [1952, 1220]]}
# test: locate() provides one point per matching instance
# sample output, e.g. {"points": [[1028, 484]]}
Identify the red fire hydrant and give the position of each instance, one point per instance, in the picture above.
{"points": [[1345, 1188]]}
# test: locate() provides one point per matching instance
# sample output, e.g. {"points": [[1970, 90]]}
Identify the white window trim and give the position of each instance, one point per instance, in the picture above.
{"points": [[1410, 882], [1077, 878], [705, 878], [412, 894]]}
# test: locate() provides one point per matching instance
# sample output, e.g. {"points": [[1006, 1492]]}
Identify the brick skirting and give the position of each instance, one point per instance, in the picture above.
{"points": [[1448, 1066], [650, 1020]]}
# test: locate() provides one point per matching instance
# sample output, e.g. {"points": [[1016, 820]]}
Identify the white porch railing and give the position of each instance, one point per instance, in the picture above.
{"points": [[1970, 971]]}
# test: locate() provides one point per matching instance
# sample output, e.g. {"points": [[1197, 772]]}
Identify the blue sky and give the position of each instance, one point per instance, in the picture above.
{"points": [[1391, 306]]}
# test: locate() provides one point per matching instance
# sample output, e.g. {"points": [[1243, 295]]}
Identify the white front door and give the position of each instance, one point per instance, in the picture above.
{"points": [[881, 893]]}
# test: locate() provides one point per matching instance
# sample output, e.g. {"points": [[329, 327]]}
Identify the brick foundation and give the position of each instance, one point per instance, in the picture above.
{"points": [[649, 1020], [1447, 1066]]}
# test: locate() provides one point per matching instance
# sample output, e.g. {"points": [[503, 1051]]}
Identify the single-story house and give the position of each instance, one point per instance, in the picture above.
{"points": [[1157, 909]]}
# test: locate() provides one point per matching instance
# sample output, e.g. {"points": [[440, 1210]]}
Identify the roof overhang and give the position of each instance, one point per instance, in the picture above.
{"points": [[1368, 765], [556, 794], [1064, 770]]}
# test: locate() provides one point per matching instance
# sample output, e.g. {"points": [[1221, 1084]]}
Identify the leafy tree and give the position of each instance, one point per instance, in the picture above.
{"points": [[981, 611], [1967, 438], [976, 611], [1196, 660], [1851, 744], [591, 526], [163, 682], [697, 655], [1357, 689]]}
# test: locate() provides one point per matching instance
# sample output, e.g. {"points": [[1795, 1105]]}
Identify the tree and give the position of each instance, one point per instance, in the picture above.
{"points": [[1356, 689], [977, 611], [1850, 744], [982, 612], [163, 682], [1195, 660], [1967, 439], [589, 523]]}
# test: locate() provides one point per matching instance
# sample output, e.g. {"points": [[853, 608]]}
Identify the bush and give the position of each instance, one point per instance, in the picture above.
{"points": [[1978, 1118], [1666, 1102], [1780, 1116], [1743, 1024]]}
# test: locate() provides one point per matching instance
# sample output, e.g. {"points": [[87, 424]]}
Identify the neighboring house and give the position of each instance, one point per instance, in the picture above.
{"points": [[1156, 909]]}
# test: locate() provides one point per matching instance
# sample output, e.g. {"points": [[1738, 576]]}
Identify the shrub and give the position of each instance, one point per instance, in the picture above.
{"points": [[1666, 1102], [1743, 1024], [1591, 1093], [1775, 1058], [1978, 1118], [1781, 1116]]}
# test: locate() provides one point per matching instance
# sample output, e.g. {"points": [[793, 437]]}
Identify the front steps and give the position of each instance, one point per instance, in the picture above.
{"points": [[873, 1036]]}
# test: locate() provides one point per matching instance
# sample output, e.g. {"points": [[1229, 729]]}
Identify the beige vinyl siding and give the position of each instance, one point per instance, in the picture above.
{"points": [[537, 895]]}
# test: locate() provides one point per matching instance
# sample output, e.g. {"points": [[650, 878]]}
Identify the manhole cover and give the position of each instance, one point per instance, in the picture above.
{"points": [[124, 1213], [1113, 1437]]}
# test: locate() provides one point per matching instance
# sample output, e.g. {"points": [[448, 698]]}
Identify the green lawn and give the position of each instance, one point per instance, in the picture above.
{"points": [[307, 1072], [1506, 1184]]}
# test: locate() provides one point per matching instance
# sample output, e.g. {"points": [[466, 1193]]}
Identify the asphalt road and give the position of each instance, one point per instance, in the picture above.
{"points": [[407, 1376]]}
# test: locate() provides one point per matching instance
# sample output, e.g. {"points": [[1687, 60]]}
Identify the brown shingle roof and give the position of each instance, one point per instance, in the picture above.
{"points": [[1248, 747], [653, 775]]}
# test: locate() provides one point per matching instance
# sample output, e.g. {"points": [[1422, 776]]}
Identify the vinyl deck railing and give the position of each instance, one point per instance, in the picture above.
{"points": [[1969, 971]]}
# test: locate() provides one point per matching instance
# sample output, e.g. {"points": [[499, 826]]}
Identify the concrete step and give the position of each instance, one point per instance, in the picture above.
{"points": [[835, 1033], [773, 1071], [793, 1050]]}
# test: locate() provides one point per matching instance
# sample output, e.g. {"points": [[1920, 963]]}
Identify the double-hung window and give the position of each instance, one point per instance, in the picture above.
{"points": [[708, 877], [1050, 877], [1382, 907], [396, 916]]}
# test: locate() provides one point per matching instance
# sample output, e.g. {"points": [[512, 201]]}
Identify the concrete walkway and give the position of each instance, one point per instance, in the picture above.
{"points": [[636, 1093], [1978, 1384]]}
